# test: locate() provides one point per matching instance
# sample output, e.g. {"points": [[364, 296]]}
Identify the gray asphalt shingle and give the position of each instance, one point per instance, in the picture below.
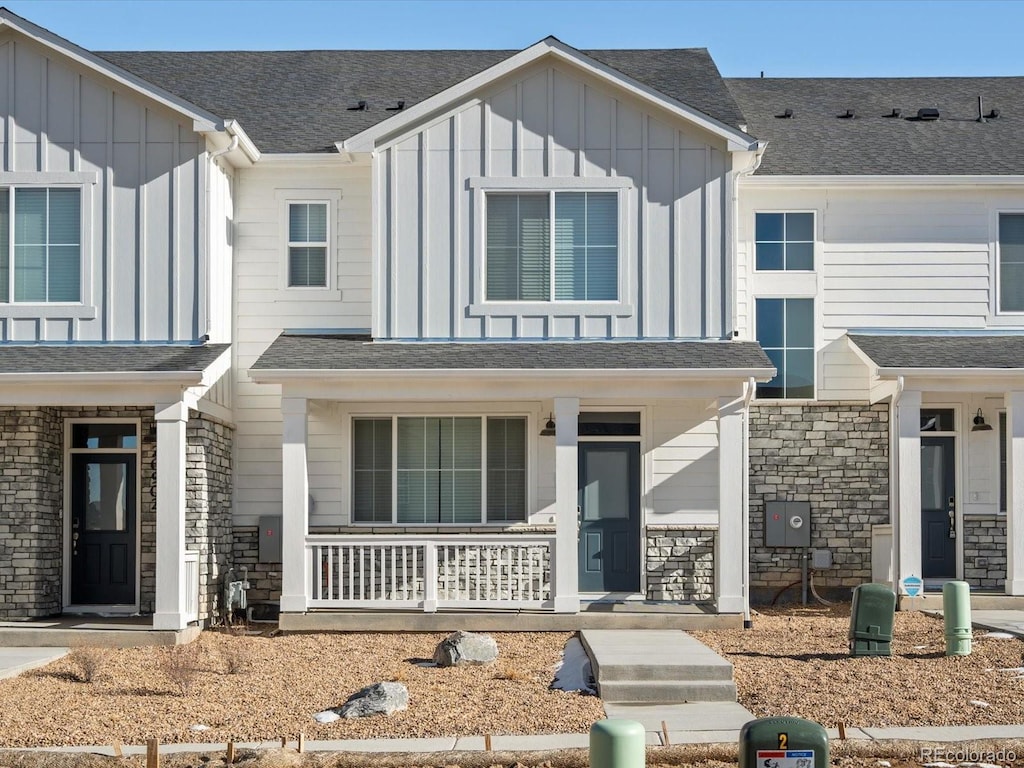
{"points": [[938, 351], [96, 358], [815, 140], [299, 101], [339, 352]]}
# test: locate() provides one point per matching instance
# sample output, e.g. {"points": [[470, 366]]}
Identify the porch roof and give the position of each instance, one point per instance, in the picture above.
{"points": [[895, 353], [297, 353], [127, 361]]}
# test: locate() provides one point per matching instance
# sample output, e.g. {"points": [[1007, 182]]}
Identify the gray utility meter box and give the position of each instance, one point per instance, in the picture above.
{"points": [[270, 539], [787, 524]]}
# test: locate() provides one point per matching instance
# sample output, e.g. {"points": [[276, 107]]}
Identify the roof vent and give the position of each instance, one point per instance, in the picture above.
{"points": [[847, 115], [928, 113], [362, 106], [786, 114], [992, 114], [895, 112], [398, 108]]}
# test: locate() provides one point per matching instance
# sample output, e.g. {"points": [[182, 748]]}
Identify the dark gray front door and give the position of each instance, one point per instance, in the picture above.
{"points": [[103, 529], [938, 508], [609, 499]]}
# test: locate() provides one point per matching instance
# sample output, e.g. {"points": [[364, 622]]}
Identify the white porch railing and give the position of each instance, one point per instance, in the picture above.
{"points": [[430, 572], [191, 586]]}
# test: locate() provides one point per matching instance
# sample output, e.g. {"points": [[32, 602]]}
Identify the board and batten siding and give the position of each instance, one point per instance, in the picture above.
{"points": [[919, 259], [142, 172], [264, 306], [551, 122]]}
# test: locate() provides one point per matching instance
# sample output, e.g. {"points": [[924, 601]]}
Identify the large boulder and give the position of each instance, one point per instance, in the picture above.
{"points": [[461, 648], [376, 699]]}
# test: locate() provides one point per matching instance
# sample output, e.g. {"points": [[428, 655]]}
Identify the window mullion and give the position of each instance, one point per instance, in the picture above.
{"points": [[552, 237]]}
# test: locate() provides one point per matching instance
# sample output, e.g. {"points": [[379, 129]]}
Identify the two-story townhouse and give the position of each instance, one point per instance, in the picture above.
{"points": [[115, 318], [879, 244]]}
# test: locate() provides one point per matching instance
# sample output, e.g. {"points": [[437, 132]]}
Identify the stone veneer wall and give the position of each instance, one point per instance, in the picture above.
{"points": [[208, 528], [985, 551], [31, 525], [834, 455], [680, 563]]}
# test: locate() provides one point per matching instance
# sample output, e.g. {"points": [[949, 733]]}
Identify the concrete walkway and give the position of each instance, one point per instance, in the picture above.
{"points": [[1000, 621], [14, 661]]}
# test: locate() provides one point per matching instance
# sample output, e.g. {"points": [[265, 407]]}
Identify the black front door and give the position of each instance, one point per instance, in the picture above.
{"points": [[609, 500], [103, 529], [938, 508]]}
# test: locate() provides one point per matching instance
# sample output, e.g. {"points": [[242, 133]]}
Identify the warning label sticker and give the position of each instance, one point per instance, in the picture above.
{"points": [[785, 758]]}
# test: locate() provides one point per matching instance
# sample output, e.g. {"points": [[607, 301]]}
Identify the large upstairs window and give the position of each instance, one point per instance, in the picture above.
{"points": [[784, 241], [40, 244], [785, 329], [552, 246], [439, 470]]}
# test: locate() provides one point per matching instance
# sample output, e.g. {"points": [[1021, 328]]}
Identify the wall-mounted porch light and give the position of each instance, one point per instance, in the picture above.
{"points": [[549, 428], [979, 423]]}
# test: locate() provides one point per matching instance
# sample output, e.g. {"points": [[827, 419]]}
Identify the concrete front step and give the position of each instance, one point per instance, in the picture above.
{"points": [[665, 691], [656, 667]]}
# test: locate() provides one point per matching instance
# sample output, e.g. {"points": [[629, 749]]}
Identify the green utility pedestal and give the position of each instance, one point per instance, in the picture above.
{"points": [[783, 742], [616, 743], [956, 615], [871, 620]]}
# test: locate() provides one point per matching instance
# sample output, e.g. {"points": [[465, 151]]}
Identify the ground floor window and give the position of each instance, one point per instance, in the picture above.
{"points": [[439, 469]]}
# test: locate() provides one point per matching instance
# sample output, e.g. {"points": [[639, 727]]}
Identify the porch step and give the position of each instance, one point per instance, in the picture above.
{"points": [[656, 667], [62, 633]]}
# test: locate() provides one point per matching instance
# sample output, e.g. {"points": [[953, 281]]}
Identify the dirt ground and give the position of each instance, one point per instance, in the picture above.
{"points": [[795, 662]]}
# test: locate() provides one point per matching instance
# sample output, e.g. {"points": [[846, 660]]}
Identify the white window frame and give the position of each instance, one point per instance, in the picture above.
{"points": [[332, 199], [815, 243], [996, 312], [394, 417], [482, 186], [84, 308], [817, 335]]}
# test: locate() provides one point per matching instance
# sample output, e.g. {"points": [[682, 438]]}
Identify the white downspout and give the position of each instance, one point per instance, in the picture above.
{"points": [[212, 157], [748, 395], [894, 483], [733, 241]]}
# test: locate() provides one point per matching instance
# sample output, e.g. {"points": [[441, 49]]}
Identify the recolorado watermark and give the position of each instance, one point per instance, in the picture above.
{"points": [[966, 755]]}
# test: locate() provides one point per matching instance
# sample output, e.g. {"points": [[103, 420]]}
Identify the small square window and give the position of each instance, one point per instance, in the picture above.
{"points": [[307, 245], [784, 241]]}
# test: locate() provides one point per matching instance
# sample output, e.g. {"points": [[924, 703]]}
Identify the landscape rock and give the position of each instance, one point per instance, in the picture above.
{"points": [[461, 648], [327, 716], [376, 699]]}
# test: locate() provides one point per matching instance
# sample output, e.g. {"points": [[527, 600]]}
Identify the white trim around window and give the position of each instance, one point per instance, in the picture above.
{"points": [[331, 198], [815, 242], [997, 315], [482, 186]]}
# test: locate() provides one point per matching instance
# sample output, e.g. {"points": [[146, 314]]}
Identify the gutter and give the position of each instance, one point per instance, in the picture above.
{"points": [[868, 181], [281, 375], [184, 378]]}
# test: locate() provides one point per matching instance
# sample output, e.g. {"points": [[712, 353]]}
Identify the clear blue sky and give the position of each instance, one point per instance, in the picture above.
{"points": [[789, 38]]}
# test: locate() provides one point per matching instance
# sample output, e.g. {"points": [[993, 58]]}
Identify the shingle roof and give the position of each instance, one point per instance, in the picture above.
{"points": [[95, 358], [299, 101], [313, 352], [921, 351], [816, 141]]}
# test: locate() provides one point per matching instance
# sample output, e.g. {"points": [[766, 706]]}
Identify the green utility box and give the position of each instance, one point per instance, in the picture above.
{"points": [[871, 619], [783, 742], [617, 743], [956, 614]]}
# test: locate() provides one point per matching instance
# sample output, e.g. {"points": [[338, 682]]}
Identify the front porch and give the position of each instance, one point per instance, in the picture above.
{"points": [[104, 631]]}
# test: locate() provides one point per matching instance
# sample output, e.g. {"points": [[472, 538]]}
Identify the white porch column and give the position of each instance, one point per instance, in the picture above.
{"points": [[171, 606], [566, 569], [294, 506], [907, 528], [1015, 493], [732, 474]]}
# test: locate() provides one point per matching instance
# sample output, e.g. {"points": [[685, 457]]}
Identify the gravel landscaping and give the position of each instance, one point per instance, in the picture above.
{"points": [[795, 662]]}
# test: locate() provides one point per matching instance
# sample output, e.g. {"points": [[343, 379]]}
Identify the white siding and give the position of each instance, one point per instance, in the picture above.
{"points": [[684, 463], [885, 259], [264, 307], [552, 122], [143, 257]]}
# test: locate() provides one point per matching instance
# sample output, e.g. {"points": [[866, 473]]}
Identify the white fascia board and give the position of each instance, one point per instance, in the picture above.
{"points": [[960, 374], [44, 37], [366, 141], [281, 376], [178, 378], [874, 182]]}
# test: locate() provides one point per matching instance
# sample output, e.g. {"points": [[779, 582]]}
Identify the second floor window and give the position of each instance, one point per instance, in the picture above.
{"points": [[1011, 262], [40, 244], [552, 246], [785, 329], [307, 245], [784, 241]]}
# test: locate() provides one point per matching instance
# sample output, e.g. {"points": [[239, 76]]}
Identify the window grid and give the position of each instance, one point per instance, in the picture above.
{"points": [[40, 245], [785, 330], [308, 241], [784, 241], [1011, 262], [425, 480], [598, 275]]}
